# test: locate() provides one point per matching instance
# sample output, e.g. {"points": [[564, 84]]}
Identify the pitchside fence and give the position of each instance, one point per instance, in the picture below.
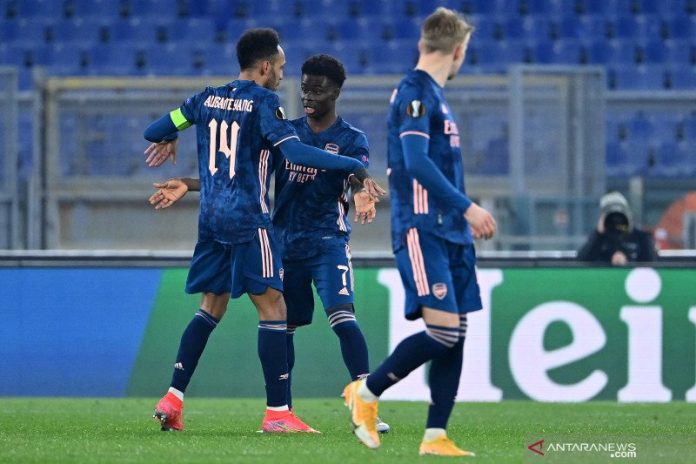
{"points": [[533, 143]]}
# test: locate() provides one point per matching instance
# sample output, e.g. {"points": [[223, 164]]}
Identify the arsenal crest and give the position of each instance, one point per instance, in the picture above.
{"points": [[440, 290]]}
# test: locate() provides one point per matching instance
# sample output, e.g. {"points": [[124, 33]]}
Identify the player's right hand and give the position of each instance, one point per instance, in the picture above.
{"points": [[365, 211], [481, 221], [168, 193], [158, 153]]}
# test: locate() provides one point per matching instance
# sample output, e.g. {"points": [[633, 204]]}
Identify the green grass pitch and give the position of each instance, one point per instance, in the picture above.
{"points": [[223, 430]]}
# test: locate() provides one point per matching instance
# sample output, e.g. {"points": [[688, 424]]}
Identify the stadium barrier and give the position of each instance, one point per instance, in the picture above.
{"points": [[551, 330]]}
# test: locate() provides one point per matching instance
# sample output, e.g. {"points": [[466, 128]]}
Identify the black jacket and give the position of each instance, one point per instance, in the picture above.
{"points": [[637, 245]]}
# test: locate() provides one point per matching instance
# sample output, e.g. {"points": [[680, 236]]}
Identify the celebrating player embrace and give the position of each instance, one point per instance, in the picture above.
{"points": [[241, 130]]}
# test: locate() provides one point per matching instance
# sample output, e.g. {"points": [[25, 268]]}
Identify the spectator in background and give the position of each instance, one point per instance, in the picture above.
{"points": [[616, 240]]}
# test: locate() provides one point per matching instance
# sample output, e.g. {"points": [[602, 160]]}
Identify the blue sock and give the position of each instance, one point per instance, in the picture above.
{"points": [[291, 360], [272, 349], [191, 347], [353, 345], [443, 379], [411, 353]]}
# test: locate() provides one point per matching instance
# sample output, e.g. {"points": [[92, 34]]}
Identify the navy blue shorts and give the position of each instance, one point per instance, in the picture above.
{"points": [[437, 274], [332, 273], [249, 267]]}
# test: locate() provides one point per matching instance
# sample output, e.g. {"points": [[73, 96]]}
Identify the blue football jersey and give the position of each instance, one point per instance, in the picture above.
{"points": [[311, 205], [418, 107], [238, 127]]}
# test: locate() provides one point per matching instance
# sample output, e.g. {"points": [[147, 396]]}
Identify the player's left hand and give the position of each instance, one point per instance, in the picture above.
{"points": [[372, 188], [365, 210], [168, 193], [158, 153]]}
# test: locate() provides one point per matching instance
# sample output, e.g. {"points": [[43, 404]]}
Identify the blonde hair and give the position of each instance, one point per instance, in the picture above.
{"points": [[443, 30]]}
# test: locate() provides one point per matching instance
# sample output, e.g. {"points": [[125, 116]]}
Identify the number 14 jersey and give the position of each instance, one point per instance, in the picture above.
{"points": [[239, 127]]}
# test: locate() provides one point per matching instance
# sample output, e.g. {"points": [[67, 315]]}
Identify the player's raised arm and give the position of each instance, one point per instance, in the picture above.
{"points": [[163, 133]]}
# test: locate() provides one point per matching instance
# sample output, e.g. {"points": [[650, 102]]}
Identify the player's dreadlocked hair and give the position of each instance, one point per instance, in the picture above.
{"points": [[255, 45], [325, 65], [444, 29]]}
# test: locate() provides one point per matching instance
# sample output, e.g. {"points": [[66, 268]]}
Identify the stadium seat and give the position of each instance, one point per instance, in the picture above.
{"points": [[49, 9], [169, 60], [134, 30], [95, 9], [68, 59], [34, 31], [76, 30], [682, 77], [642, 77], [674, 160], [679, 52], [681, 26], [486, 27], [592, 27], [393, 58], [117, 59], [654, 51], [536, 28]]}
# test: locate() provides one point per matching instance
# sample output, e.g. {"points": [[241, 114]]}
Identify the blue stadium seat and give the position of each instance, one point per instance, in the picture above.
{"points": [[623, 27], [678, 51], [689, 124], [134, 30], [567, 51], [640, 77], [621, 51], [33, 31], [536, 27], [683, 77], [568, 27], [654, 51], [76, 31], [221, 60], [117, 59], [235, 27], [404, 29], [158, 9], [485, 27], [592, 27], [68, 59], [595, 7], [513, 27], [396, 57], [49, 9], [169, 60], [192, 30], [626, 159], [674, 160], [502, 52], [95, 9], [681, 26]]}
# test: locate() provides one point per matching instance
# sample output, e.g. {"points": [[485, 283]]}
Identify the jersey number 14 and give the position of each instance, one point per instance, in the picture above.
{"points": [[228, 146]]}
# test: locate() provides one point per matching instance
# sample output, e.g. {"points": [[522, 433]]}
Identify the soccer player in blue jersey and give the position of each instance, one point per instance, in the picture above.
{"points": [[432, 224], [241, 129], [310, 220]]}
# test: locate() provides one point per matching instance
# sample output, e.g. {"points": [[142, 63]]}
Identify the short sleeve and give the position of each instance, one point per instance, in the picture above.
{"points": [[275, 126], [415, 109]]}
